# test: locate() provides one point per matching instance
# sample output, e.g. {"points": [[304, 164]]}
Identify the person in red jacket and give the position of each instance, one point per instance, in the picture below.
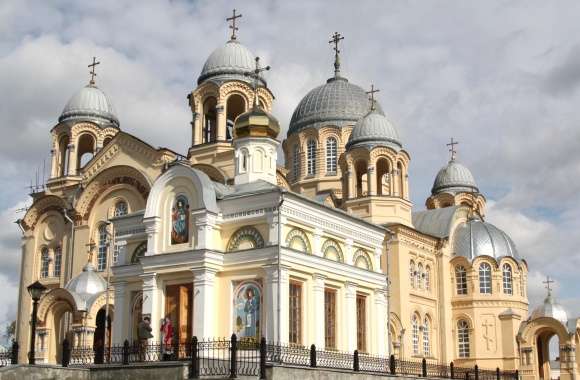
{"points": [[167, 337]]}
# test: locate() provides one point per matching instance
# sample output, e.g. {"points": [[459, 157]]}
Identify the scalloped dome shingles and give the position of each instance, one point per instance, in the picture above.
{"points": [[87, 283], [92, 104], [476, 238], [374, 129], [230, 61], [454, 177], [337, 102]]}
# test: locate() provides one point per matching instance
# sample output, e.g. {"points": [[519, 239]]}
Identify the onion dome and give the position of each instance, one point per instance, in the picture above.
{"points": [[374, 130], [87, 283], [229, 62], [454, 178], [476, 238], [551, 309], [90, 104], [338, 102], [256, 123]]}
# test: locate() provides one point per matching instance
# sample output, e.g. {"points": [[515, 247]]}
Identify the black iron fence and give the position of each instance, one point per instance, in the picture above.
{"points": [[9, 356]]}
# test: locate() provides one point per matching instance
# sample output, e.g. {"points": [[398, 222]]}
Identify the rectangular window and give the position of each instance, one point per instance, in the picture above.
{"points": [[361, 321], [330, 319], [295, 331], [57, 261]]}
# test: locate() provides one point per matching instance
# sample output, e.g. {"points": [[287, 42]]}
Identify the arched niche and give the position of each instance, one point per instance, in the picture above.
{"points": [[245, 238], [297, 240], [86, 147], [209, 131], [361, 168], [235, 106], [331, 250], [361, 259], [384, 176]]}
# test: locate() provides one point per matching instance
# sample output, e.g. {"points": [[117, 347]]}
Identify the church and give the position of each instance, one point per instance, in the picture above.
{"points": [[321, 246]]}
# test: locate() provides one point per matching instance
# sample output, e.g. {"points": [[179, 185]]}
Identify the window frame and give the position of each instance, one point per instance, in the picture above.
{"points": [[44, 263], [295, 313], [311, 157], [330, 318], [102, 248], [57, 266], [331, 155], [463, 339], [485, 278], [426, 337], [415, 334], [460, 280], [507, 279], [361, 322]]}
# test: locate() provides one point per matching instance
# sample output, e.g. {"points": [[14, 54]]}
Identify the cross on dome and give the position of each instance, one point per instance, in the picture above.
{"points": [[92, 72], [371, 93], [335, 39], [233, 26], [548, 282], [452, 150], [255, 74]]}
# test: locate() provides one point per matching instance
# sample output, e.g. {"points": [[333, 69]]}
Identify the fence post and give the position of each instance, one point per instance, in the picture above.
{"points": [[497, 374], [194, 359], [466, 375], [234, 357], [100, 354], [476, 368], [15, 347], [65, 353], [355, 363], [392, 364], [126, 352], [313, 356], [424, 367], [263, 358], [452, 370], [517, 375]]}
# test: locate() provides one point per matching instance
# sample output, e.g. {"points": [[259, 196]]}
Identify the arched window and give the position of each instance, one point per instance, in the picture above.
{"points": [[139, 252], [508, 287], [235, 106], [86, 147], [296, 161], [361, 260], [180, 220], [209, 120], [420, 276], [461, 279], [102, 248], [415, 334], [485, 278], [57, 262], [245, 238], [44, 262], [463, 339], [63, 155], [297, 240], [311, 155], [428, 278], [412, 273], [121, 208], [331, 250], [426, 338], [331, 155]]}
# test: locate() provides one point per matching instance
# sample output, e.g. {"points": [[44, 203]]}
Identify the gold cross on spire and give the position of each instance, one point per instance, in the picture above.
{"points": [[335, 39], [452, 150], [548, 282], [233, 26], [371, 93], [257, 77], [92, 72]]}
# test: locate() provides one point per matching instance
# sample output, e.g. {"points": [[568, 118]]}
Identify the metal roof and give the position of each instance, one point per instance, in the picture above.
{"points": [[374, 129], [454, 177], [90, 104]]}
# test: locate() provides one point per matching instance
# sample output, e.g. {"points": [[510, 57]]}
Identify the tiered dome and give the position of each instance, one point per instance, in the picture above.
{"points": [[551, 309], [231, 61], [90, 104], [374, 130], [256, 123], [454, 178], [338, 102], [476, 238]]}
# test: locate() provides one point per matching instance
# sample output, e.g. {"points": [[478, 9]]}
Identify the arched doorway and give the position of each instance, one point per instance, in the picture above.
{"points": [[102, 335], [86, 149], [383, 177], [548, 354], [361, 178], [209, 120]]}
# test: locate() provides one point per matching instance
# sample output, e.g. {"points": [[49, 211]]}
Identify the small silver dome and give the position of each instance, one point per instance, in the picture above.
{"points": [[227, 62], [454, 177], [374, 129], [338, 102], [90, 104], [476, 238], [87, 283], [551, 309]]}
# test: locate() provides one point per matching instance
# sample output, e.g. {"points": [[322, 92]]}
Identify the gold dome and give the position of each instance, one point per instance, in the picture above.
{"points": [[256, 123]]}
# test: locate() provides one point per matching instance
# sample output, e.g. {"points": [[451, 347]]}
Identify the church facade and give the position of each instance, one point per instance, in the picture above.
{"points": [[325, 249]]}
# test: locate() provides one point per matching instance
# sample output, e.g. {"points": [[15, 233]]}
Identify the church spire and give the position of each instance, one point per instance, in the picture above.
{"points": [[335, 39]]}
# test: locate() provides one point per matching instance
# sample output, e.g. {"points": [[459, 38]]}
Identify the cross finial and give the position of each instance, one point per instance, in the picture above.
{"points": [[548, 283], [452, 150], [371, 93], [92, 72], [233, 26], [90, 248], [257, 77], [335, 39]]}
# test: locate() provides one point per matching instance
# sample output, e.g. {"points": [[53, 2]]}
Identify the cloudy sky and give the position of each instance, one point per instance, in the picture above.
{"points": [[502, 77]]}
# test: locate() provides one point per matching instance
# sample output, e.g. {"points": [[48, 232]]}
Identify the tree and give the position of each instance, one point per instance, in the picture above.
{"points": [[10, 332]]}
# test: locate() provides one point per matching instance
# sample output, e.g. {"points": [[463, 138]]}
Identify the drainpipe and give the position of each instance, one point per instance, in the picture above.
{"points": [[108, 266], [72, 242], [279, 290], [391, 234]]}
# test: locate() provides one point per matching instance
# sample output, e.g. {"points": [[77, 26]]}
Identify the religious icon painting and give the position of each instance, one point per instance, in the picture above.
{"points": [[180, 220], [247, 307]]}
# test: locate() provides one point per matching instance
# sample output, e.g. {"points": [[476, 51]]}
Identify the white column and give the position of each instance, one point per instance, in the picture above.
{"points": [[151, 298], [316, 249], [119, 333], [54, 163], [348, 259], [203, 302], [350, 316], [205, 223], [72, 160], [273, 218], [152, 227], [122, 258], [377, 265], [276, 318], [381, 322], [318, 309]]}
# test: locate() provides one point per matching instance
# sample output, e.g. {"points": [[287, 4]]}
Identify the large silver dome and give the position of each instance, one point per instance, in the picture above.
{"points": [[454, 178], [228, 62], [476, 238], [372, 130], [551, 309], [90, 104], [338, 102], [88, 283]]}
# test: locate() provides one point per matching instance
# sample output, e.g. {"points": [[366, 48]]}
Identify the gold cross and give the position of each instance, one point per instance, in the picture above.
{"points": [[372, 92], [90, 248], [256, 76], [233, 26], [452, 148], [335, 39], [548, 282], [92, 72]]}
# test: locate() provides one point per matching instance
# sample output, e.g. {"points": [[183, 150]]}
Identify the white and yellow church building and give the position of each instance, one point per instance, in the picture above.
{"points": [[322, 246]]}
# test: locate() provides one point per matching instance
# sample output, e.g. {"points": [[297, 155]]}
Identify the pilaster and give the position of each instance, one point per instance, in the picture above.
{"points": [[120, 333], [151, 301], [381, 322], [318, 309], [203, 302], [350, 316], [276, 303]]}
